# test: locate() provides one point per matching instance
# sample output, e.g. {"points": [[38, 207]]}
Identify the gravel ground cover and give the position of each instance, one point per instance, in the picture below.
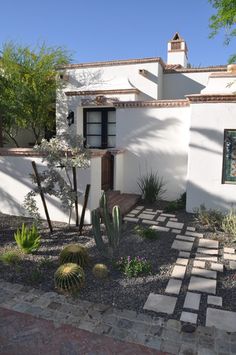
{"points": [[38, 269]]}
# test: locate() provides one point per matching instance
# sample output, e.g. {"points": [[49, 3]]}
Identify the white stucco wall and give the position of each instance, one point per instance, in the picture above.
{"points": [[177, 85], [15, 183], [205, 163], [157, 139]]}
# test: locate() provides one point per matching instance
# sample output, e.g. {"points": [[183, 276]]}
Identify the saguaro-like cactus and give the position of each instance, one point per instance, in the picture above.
{"points": [[113, 228]]}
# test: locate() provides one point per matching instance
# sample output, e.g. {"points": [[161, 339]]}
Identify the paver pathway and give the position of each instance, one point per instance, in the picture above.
{"points": [[201, 257]]}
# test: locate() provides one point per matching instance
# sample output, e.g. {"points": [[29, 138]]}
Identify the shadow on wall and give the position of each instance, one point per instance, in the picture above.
{"points": [[158, 145], [15, 178], [176, 86], [197, 196]]}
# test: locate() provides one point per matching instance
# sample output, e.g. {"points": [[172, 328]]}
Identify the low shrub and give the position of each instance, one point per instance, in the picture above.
{"points": [[152, 187], [176, 205], [28, 239], [134, 266], [147, 233], [211, 218], [74, 253], [100, 271], [69, 277], [10, 257], [229, 223]]}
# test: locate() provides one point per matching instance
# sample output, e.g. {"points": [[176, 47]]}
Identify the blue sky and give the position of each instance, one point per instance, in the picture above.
{"points": [[95, 30]]}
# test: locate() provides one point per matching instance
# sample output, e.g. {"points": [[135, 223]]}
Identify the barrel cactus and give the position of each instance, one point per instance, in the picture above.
{"points": [[100, 271], [69, 277], [74, 253]]}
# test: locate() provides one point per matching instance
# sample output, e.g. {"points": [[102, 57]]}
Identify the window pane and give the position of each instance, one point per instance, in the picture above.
{"points": [[229, 172], [111, 116], [111, 128], [94, 142], [94, 128], [94, 116], [111, 142]]}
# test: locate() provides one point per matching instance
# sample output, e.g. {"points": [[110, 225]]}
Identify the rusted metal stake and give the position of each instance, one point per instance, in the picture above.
{"points": [[42, 195], [86, 196], [76, 197]]}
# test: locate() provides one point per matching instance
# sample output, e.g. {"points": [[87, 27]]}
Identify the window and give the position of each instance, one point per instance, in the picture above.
{"points": [[229, 158], [100, 127]]}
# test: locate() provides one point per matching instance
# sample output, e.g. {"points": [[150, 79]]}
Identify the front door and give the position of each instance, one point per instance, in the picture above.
{"points": [[107, 171]]}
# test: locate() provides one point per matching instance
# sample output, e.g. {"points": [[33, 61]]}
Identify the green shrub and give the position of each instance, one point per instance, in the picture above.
{"points": [[133, 267], [147, 233], [211, 218], [74, 253], [100, 271], [10, 257], [69, 277], [176, 205], [152, 187], [229, 223], [28, 239]]}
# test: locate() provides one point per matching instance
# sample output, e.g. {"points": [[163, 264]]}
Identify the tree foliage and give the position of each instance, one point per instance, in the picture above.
{"points": [[28, 87], [224, 18]]}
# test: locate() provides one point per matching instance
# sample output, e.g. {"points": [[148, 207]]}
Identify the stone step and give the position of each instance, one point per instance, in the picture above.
{"points": [[125, 201]]}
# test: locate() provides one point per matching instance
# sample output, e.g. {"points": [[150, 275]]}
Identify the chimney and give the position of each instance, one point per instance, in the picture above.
{"points": [[177, 51]]}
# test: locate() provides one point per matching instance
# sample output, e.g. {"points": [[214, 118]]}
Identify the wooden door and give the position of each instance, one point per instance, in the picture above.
{"points": [[107, 171]]}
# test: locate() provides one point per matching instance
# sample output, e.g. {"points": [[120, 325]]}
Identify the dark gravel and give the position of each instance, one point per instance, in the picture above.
{"points": [[37, 270]]}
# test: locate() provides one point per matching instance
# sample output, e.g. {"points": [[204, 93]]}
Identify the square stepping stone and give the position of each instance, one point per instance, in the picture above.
{"points": [[173, 286], [230, 256], [149, 210], [168, 215], [208, 243], [176, 225], [182, 245], [160, 303], [192, 300], [205, 257], [232, 265], [188, 317], [130, 215], [139, 207], [199, 263], [194, 234], [130, 219], [145, 221], [161, 219], [146, 216], [217, 267], [178, 272], [215, 300], [184, 254], [161, 229], [174, 219], [176, 231], [203, 285], [229, 250], [150, 213], [220, 319], [135, 211], [181, 261], [207, 251], [191, 229], [184, 237], [204, 273]]}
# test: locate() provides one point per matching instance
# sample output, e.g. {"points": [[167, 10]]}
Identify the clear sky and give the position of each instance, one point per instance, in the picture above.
{"points": [[95, 30]]}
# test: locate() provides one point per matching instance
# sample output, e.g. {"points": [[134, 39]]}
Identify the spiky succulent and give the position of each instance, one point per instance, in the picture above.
{"points": [[69, 277], [74, 253], [100, 271], [28, 239]]}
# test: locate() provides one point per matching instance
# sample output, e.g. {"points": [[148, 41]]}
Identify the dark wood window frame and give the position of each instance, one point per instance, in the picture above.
{"points": [[226, 180], [104, 125]]}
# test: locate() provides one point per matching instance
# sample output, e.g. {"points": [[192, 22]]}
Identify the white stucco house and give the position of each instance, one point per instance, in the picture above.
{"points": [[139, 115], [152, 115]]}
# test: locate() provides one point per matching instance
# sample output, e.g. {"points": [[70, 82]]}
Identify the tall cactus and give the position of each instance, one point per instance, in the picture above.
{"points": [[113, 228]]}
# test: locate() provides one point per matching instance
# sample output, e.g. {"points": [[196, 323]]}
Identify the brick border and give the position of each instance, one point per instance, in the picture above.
{"points": [[154, 103], [102, 92]]}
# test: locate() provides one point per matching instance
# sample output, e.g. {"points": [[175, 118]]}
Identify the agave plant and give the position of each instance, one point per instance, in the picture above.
{"points": [[69, 277], [28, 239], [74, 253]]}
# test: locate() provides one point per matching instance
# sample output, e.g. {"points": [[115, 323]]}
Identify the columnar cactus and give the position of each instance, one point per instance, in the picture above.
{"points": [[113, 228]]}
